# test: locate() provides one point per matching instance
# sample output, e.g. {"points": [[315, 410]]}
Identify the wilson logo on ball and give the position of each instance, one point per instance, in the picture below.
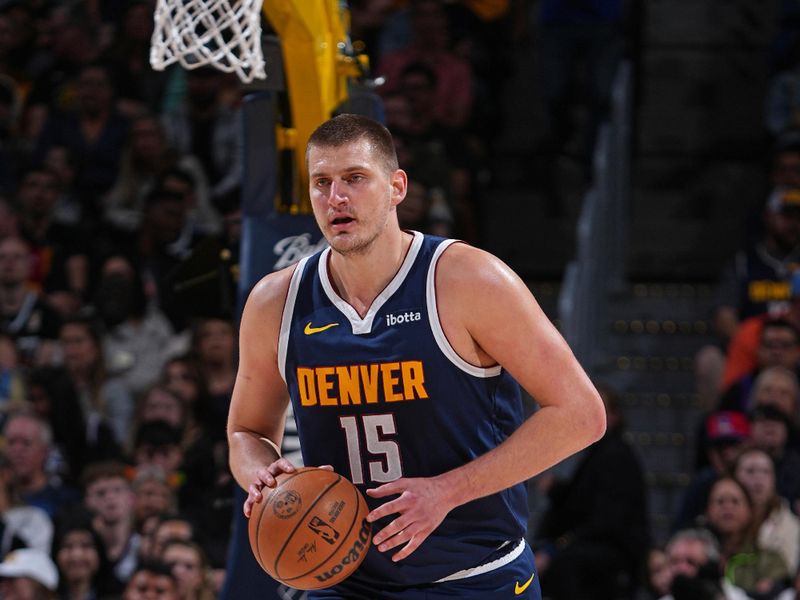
{"points": [[286, 504], [353, 555]]}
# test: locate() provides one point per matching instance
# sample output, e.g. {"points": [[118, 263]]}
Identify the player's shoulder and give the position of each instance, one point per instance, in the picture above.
{"points": [[271, 290], [462, 265]]}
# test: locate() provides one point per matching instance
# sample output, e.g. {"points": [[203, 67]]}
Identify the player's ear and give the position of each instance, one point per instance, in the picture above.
{"points": [[399, 186]]}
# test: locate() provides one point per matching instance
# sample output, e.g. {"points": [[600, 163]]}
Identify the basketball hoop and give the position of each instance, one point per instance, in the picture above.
{"points": [[225, 34]]}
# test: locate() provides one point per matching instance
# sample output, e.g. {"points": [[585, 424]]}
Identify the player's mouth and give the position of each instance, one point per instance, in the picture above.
{"points": [[341, 223]]}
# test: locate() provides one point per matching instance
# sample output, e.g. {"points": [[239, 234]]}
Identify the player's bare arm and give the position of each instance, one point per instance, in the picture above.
{"points": [[259, 401], [490, 317]]}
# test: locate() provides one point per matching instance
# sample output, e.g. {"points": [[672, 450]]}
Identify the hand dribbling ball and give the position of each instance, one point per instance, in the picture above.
{"points": [[310, 531]]}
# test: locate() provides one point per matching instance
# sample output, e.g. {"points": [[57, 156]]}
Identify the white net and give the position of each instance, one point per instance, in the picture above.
{"points": [[225, 34]]}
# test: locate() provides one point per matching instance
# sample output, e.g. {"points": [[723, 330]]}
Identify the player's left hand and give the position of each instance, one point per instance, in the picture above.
{"points": [[422, 504]]}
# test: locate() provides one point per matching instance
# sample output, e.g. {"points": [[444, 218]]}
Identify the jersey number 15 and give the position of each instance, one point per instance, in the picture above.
{"points": [[382, 454]]}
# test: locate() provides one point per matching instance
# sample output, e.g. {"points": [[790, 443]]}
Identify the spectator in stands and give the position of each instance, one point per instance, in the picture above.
{"points": [[594, 536], [28, 574], [16, 41], [743, 352], [724, 436], [137, 335], [430, 139], [24, 313], [431, 45], [106, 401], [779, 346], [29, 443], [74, 43], [782, 110], [694, 554], [109, 497], [214, 342], [84, 570], [68, 210], [757, 279], [778, 528], [140, 87], [60, 260], [54, 399], [771, 430], [152, 580], [171, 526], [420, 211], [158, 444], [203, 127], [190, 568], [145, 160], [198, 466], [160, 247], [729, 514], [785, 160], [94, 133], [9, 219], [153, 496], [777, 387], [21, 526], [657, 575], [183, 375], [12, 380], [202, 217]]}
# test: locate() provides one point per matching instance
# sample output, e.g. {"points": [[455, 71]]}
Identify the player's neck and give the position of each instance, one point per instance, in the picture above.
{"points": [[359, 278]]}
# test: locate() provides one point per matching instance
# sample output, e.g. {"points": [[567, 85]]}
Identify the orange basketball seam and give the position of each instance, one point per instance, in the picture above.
{"points": [[344, 537], [300, 522]]}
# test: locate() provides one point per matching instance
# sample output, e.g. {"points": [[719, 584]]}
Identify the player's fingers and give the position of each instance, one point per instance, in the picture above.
{"points": [[412, 545], [396, 540], [253, 496], [281, 466], [387, 489], [392, 529], [384, 510], [326, 467]]}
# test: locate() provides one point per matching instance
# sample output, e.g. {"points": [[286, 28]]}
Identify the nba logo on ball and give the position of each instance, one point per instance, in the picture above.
{"points": [[311, 530]]}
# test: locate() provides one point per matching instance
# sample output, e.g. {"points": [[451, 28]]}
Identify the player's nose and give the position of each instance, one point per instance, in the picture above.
{"points": [[337, 194]]}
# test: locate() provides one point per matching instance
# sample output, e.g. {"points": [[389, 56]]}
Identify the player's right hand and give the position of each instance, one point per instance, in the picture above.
{"points": [[265, 477]]}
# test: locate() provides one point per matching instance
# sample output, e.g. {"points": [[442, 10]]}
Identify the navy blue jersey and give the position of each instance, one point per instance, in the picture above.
{"points": [[386, 396]]}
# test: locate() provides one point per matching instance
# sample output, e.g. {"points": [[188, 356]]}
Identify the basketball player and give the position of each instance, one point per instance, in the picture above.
{"points": [[401, 354]]}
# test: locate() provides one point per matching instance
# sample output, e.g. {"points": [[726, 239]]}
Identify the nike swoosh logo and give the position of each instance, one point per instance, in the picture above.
{"points": [[309, 330], [518, 589]]}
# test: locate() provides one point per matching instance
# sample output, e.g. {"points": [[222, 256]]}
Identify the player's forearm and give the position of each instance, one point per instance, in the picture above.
{"points": [[552, 434], [248, 453]]}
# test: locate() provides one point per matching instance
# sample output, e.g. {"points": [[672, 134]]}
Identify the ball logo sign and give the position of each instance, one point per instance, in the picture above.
{"points": [[286, 504], [323, 530]]}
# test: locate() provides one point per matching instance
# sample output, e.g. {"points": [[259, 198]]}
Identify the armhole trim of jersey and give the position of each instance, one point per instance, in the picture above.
{"points": [[288, 312], [436, 325]]}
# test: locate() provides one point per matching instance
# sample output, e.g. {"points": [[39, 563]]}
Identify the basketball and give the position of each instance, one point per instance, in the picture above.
{"points": [[310, 531]]}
